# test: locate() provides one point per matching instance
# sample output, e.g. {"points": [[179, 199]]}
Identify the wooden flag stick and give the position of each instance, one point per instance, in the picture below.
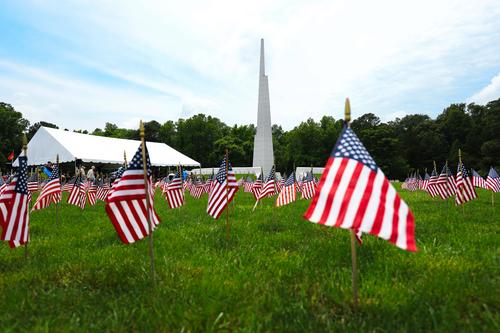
{"points": [[228, 227], [57, 203], [25, 150], [148, 203], [347, 119]]}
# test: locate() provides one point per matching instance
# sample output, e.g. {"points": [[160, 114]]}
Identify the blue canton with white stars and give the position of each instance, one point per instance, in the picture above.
{"points": [[349, 146], [55, 172], [22, 177], [271, 174], [291, 180], [462, 168], [221, 175], [136, 163]]}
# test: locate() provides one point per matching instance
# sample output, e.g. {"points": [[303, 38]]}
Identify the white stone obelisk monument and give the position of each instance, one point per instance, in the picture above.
{"points": [[263, 155]]}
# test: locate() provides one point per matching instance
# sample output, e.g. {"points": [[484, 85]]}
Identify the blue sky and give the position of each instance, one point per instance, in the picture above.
{"points": [[82, 63]]}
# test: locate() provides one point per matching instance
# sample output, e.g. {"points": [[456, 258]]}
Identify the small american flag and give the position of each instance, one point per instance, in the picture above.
{"points": [[257, 187], [269, 186], [431, 186], [465, 189], [175, 192], [127, 206], [92, 192], [308, 187], [16, 224], [33, 183], [477, 180], [197, 189], [442, 184], [51, 192], [493, 181], [223, 190], [6, 195], [425, 182], [102, 190], [78, 196], [288, 194], [354, 193], [247, 186]]}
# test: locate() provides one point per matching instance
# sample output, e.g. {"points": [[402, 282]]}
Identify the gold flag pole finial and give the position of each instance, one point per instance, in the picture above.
{"points": [[124, 158], [459, 155], [347, 111], [435, 168], [141, 129]]}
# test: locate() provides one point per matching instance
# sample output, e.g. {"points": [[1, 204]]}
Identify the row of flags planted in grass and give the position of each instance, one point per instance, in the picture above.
{"points": [[446, 185], [353, 193]]}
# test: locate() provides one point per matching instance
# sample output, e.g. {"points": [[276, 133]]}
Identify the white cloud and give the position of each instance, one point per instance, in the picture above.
{"points": [[181, 58], [488, 93]]}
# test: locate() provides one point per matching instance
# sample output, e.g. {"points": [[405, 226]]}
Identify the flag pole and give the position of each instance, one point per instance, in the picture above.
{"points": [[227, 197], [179, 170], [148, 203], [354, 273], [25, 150], [460, 163], [57, 203]]}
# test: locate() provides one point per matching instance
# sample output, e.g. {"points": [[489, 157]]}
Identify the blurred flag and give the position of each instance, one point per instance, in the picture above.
{"points": [[78, 196], [432, 184], [442, 184], [51, 192], [308, 186], [16, 224], [175, 192], [127, 206], [223, 190], [288, 193], [465, 189], [269, 187], [354, 193], [477, 180], [493, 181]]}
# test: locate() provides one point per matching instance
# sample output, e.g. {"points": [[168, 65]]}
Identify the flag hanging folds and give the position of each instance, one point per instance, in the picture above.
{"points": [[477, 180], [465, 189], [442, 184], [92, 192], [16, 224], [223, 190], [33, 183], [118, 175], [432, 185], [288, 193], [197, 189], [102, 190], [126, 206], [269, 187], [78, 195], [354, 193], [425, 182], [247, 186], [257, 187], [493, 181], [51, 192], [452, 183], [6, 196], [175, 192], [308, 186]]}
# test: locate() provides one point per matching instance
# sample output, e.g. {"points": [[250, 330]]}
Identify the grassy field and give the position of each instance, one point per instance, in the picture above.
{"points": [[277, 273]]}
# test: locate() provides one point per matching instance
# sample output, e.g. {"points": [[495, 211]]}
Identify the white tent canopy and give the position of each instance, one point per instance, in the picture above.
{"points": [[48, 142]]}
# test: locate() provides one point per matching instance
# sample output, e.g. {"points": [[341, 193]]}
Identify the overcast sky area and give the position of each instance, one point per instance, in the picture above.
{"points": [[80, 64]]}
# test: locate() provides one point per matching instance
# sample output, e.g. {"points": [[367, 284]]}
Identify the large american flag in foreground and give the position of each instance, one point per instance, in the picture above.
{"points": [[289, 193], [15, 227], [354, 193], [175, 192], [493, 181], [126, 206], [220, 196], [465, 189], [51, 192]]}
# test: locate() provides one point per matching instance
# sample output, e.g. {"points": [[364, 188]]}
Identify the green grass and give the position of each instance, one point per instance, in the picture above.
{"points": [[277, 273]]}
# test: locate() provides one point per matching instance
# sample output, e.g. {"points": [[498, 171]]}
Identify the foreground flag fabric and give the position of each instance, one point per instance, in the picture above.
{"points": [[288, 193], [223, 190], [477, 180], [16, 225], [465, 189], [354, 193], [493, 181], [51, 192], [126, 206], [269, 187], [175, 192]]}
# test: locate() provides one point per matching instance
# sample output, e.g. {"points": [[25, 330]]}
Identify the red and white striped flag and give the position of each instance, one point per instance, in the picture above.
{"points": [[223, 190], [15, 226], [493, 181], [477, 180], [102, 191], [51, 192], [432, 184], [6, 195], [288, 194], [257, 187], [92, 193], [197, 189], [127, 206], [354, 193], [78, 195], [269, 187], [442, 184], [465, 189], [175, 192], [308, 186]]}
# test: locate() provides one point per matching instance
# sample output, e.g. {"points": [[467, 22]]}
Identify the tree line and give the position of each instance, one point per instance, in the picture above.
{"points": [[399, 146]]}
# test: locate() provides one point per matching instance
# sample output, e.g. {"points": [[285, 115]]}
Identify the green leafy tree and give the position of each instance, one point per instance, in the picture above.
{"points": [[12, 127]]}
